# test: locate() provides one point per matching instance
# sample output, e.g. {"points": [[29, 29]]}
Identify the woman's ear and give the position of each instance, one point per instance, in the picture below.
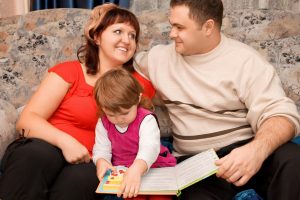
{"points": [[97, 39], [140, 97]]}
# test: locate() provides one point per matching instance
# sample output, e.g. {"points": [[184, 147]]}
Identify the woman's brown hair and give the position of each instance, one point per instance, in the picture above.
{"points": [[117, 89], [103, 16]]}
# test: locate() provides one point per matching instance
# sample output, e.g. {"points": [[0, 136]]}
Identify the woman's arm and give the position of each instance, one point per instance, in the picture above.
{"points": [[33, 119]]}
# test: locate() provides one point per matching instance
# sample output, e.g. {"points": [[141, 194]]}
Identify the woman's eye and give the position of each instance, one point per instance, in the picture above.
{"points": [[117, 31], [132, 36]]}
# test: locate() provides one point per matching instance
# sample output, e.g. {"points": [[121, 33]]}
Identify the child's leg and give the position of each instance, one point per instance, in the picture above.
{"points": [[160, 197]]}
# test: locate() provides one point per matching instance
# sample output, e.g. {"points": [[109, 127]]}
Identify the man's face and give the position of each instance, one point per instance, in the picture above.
{"points": [[189, 36]]}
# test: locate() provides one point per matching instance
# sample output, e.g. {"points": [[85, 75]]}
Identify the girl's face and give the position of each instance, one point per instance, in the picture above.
{"points": [[123, 118], [117, 44]]}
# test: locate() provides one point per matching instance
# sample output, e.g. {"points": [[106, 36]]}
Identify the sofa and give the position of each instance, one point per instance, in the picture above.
{"points": [[33, 42]]}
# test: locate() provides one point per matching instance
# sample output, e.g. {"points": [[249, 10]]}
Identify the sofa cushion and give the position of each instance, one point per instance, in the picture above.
{"points": [[8, 117]]}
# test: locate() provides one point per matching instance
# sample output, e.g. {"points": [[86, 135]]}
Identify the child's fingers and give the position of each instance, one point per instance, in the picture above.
{"points": [[126, 193], [136, 191], [113, 169], [121, 190]]}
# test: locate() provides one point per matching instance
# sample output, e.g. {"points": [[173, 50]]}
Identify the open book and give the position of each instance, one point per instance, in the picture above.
{"points": [[166, 180]]}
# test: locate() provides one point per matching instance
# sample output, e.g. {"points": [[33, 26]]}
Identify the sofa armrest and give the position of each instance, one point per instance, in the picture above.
{"points": [[8, 118]]}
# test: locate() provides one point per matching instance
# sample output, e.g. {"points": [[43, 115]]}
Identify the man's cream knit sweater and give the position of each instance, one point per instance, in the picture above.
{"points": [[218, 98]]}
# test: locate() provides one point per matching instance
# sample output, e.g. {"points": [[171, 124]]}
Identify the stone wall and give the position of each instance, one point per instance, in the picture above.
{"points": [[138, 6], [31, 43], [272, 28]]}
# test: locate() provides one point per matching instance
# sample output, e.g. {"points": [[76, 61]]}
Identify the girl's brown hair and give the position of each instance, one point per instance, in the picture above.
{"points": [[103, 16], [118, 89]]}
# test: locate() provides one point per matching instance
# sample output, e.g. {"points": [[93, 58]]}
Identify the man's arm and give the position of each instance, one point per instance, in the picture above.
{"points": [[140, 64], [243, 162]]}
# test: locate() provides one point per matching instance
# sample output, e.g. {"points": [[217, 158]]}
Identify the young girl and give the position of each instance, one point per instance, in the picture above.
{"points": [[127, 132]]}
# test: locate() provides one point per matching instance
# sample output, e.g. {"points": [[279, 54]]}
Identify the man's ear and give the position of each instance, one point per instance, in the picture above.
{"points": [[209, 26]]}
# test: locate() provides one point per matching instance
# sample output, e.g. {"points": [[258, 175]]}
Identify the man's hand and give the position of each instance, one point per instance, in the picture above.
{"points": [[241, 164], [132, 179], [102, 166]]}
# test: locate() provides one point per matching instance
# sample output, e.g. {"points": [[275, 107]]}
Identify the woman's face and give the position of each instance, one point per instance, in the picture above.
{"points": [[117, 44]]}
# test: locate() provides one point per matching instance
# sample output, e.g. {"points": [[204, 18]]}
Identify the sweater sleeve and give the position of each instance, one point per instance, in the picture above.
{"points": [[141, 64], [149, 143], [264, 96], [102, 146]]}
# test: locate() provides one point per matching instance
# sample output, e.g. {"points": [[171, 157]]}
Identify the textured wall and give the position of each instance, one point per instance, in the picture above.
{"points": [[31, 43], [229, 5], [272, 28]]}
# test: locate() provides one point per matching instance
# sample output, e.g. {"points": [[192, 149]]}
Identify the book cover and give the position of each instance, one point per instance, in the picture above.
{"points": [[166, 180]]}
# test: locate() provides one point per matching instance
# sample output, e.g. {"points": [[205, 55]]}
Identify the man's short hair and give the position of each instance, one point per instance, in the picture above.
{"points": [[202, 10]]}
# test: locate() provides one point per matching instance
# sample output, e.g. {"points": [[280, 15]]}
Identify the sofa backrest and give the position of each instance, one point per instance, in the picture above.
{"points": [[31, 43]]}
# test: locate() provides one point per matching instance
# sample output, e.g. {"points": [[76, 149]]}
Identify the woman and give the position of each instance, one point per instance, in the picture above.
{"points": [[53, 159]]}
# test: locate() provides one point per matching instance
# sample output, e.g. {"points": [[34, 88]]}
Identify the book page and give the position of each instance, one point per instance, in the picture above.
{"points": [[159, 179], [156, 181], [196, 168]]}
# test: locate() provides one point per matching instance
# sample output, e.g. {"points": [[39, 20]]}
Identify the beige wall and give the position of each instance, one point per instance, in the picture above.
{"points": [[138, 6], [13, 7]]}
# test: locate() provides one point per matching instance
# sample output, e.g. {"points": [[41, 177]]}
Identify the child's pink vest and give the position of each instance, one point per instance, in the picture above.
{"points": [[125, 145]]}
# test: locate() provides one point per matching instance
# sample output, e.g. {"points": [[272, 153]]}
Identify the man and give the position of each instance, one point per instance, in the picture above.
{"points": [[217, 98]]}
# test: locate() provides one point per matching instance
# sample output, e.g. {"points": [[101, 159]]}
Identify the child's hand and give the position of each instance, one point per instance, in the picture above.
{"points": [[132, 179], [102, 166]]}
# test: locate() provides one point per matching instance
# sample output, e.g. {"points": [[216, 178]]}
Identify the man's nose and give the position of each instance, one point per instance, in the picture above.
{"points": [[173, 33]]}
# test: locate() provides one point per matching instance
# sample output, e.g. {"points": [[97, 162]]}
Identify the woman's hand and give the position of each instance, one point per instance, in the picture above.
{"points": [[132, 179], [73, 151], [102, 166]]}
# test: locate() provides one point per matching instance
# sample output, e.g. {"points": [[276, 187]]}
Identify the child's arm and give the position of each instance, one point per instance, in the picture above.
{"points": [[102, 150], [149, 141], [132, 179], [149, 148]]}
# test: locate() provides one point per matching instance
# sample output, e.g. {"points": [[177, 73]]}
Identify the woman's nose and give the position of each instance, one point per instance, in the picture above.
{"points": [[125, 38]]}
